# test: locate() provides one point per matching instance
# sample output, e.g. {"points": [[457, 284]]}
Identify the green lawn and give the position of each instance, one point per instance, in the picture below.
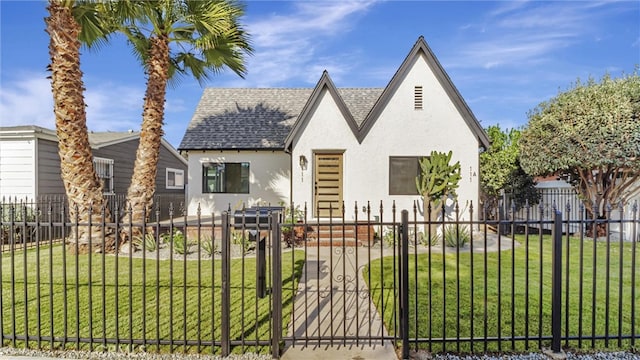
{"points": [[454, 313], [143, 300]]}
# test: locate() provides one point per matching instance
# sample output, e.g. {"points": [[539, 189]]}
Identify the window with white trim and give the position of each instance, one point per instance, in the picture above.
{"points": [[175, 179], [104, 169]]}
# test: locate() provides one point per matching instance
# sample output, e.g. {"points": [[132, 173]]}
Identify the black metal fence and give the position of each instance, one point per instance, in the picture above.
{"points": [[52, 207], [265, 279]]}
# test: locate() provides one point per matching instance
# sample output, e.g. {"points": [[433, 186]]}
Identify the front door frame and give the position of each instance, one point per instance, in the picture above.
{"points": [[317, 210]]}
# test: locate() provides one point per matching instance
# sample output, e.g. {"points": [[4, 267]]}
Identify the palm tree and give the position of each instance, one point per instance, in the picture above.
{"points": [[176, 37], [69, 23]]}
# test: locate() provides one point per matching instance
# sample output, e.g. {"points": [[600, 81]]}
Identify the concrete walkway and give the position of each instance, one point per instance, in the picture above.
{"points": [[333, 310]]}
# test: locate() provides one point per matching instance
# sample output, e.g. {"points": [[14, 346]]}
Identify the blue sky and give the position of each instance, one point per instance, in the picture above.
{"points": [[504, 57]]}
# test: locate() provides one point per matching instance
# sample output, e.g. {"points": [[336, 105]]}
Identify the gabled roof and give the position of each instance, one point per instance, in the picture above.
{"points": [[243, 119], [271, 118], [259, 118], [324, 83], [419, 48]]}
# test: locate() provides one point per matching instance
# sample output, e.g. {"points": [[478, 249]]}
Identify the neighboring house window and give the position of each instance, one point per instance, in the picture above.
{"points": [[175, 179], [417, 98], [225, 178], [403, 171], [104, 169]]}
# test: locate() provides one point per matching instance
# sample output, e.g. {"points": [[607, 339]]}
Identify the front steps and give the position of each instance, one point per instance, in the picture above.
{"points": [[339, 235]]}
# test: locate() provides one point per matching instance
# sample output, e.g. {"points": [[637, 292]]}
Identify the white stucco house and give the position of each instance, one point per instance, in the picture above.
{"points": [[327, 145]]}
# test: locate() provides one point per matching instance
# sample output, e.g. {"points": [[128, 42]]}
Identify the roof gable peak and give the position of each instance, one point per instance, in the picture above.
{"points": [[422, 48], [325, 83]]}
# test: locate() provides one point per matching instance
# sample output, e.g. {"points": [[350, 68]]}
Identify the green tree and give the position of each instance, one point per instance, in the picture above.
{"points": [[175, 37], [70, 24], [590, 135], [500, 171], [438, 180]]}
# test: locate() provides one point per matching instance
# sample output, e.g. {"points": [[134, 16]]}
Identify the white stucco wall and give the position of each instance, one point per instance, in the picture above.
{"points": [[268, 180], [399, 131], [18, 169]]}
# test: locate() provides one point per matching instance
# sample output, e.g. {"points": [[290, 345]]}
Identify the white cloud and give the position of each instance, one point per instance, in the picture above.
{"points": [[113, 107], [511, 50], [524, 33], [26, 100], [287, 44], [506, 7]]}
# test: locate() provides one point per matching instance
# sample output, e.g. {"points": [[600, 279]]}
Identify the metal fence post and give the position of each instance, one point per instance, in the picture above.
{"points": [[404, 283], [261, 267], [225, 316], [276, 283], [556, 280]]}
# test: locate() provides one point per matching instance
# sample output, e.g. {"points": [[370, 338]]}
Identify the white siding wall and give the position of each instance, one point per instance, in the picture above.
{"points": [[269, 181], [17, 168], [400, 131]]}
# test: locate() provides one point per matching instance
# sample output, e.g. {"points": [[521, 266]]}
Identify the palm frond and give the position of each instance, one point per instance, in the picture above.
{"points": [[139, 42], [95, 25]]}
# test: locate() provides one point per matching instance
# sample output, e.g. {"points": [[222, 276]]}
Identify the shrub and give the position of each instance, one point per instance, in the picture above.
{"points": [[426, 240], [456, 236], [149, 242], [21, 213], [293, 235], [239, 237], [208, 246], [180, 245], [389, 237]]}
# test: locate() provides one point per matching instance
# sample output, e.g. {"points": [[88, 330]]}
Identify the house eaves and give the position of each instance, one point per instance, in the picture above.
{"points": [[27, 131], [323, 84], [421, 48], [98, 140]]}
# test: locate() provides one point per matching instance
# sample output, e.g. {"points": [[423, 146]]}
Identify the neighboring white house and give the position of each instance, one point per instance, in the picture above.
{"points": [[325, 146]]}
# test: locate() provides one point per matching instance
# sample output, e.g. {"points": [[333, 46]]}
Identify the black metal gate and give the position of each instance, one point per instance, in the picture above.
{"points": [[281, 281]]}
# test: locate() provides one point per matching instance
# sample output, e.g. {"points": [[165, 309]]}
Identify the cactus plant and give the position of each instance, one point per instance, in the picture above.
{"points": [[438, 179]]}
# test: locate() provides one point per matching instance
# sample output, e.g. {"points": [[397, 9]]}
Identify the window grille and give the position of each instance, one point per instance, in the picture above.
{"points": [[104, 169]]}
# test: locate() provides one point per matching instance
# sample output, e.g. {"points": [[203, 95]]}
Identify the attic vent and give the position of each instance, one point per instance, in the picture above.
{"points": [[417, 98]]}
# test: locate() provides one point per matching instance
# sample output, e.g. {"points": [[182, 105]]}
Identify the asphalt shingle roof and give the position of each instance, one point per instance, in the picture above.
{"points": [[258, 118]]}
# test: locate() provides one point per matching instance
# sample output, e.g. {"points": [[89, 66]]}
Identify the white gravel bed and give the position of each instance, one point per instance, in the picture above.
{"points": [[534, 356], [19, 354]]}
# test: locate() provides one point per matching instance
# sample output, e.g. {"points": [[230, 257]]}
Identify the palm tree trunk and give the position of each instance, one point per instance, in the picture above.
{"points": [[143, 181], [82, 186]]}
